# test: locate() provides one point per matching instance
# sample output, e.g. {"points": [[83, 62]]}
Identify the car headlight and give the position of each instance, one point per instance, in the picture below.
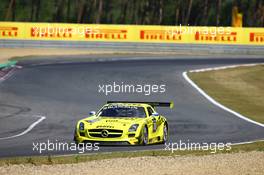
{"points": [[81, 126], [133, 128]]}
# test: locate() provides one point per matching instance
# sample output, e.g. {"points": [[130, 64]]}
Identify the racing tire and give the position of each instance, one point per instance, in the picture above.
{"points": [[165, 133], [144, 136]]}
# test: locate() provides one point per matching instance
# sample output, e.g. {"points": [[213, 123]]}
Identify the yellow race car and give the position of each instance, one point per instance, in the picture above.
{"points": [[124, 123]]}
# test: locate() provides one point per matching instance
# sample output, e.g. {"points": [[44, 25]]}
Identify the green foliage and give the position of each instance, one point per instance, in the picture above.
{"points": [[149, 12]]}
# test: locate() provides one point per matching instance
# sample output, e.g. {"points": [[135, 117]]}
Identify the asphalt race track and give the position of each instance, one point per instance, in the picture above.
{"points": [[65, 91]]}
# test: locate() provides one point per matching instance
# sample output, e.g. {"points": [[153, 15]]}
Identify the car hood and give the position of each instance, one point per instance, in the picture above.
{"points": [[111, 122]]}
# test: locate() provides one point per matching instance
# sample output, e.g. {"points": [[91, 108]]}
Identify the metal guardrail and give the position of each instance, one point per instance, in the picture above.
{"points": [[137, 47]]}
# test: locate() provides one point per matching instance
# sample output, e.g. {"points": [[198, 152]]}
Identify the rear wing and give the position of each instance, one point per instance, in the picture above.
{"points": [[153, 104]]}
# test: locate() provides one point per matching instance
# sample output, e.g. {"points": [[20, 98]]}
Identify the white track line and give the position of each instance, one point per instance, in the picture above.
{"points": [[248, 142], [225, 67], [184, 74], [6, 76], [10, 73], [41, 118]]}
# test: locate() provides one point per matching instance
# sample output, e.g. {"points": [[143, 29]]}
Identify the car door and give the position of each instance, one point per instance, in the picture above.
{"points": [[153, 122]]}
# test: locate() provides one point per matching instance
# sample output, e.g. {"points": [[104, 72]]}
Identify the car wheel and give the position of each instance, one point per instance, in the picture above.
{"points": [[144, 136], [165, 134]]}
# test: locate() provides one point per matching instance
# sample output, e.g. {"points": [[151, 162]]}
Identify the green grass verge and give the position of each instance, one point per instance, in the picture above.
{"points": [[39, 160], [240, 89], [8, 64]]}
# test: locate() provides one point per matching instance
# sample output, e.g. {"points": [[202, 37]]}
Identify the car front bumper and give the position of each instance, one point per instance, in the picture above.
{"points": [[125, 139]]}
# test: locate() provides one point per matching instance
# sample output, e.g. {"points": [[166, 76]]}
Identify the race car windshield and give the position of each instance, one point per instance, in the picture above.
{"points": [[129, 112]]}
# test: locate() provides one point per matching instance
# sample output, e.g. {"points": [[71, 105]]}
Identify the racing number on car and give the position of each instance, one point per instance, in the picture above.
{"points": [[154, 120], [154, 124]]}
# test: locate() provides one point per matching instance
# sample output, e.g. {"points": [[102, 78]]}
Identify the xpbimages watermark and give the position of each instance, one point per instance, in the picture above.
{"points": [[190, 30], [50, 30], [55, 146], [145, 89], [192, 146]]}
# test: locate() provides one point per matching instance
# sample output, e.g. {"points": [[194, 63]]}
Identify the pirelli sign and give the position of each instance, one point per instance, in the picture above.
{"points": [[47, 32], [106, 34], [256, 37], [8, 32], [131, 33], [218, 37], [160, 35]]}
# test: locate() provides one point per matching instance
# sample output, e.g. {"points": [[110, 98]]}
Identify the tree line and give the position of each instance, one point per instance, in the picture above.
{"points": [[147, 12]]}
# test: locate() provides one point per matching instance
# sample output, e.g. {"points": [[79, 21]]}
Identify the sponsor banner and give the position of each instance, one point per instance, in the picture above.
{"points": [[132, 33]]}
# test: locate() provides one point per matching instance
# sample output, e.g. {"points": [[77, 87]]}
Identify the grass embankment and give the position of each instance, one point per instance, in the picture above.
{"points": [[240, 89]]}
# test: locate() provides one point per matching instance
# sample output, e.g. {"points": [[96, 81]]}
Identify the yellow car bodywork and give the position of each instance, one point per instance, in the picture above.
{"points": [[116, 130]]}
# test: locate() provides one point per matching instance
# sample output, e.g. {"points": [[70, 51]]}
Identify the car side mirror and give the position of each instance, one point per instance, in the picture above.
{"points": [[155, 114], [92, 113]]}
